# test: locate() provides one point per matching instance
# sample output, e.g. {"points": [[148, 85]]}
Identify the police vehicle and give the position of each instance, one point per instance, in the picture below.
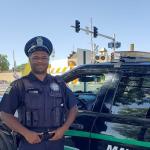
{"points": [[114, 104]]}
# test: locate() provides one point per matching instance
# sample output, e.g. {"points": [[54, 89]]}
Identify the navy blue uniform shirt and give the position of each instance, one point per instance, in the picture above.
{"points": [[12, 98]]}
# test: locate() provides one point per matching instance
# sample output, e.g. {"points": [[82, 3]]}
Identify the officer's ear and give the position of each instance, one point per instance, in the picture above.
{"points": [[29, 58]]}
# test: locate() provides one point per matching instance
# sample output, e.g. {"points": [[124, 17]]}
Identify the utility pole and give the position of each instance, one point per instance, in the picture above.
{"points": [[114, 41], [15, 75], [92, 49], [14, 70]]}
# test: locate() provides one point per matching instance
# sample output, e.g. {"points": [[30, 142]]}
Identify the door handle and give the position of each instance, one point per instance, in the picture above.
{"points": [[77, 126]]}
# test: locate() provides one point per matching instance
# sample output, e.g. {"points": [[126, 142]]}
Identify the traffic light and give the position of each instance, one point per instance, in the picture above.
{"points": [[96, 57], [95, 34], [110, 45], [77, 25], [118, 44]]}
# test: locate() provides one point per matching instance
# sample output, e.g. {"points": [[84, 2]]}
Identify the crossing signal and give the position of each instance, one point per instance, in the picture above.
{"points": [[95, 34], [112, 45], [77, 25]]}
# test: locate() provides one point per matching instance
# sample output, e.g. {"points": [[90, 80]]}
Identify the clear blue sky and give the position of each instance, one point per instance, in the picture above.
{"points": [[21, 20]]}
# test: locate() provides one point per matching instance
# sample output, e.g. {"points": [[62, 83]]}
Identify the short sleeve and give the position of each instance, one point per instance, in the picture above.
{"points": [[70, 97], [11, 99]]}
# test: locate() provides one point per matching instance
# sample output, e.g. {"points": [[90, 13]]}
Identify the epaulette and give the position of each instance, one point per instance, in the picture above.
{"points": [[58, 79]]}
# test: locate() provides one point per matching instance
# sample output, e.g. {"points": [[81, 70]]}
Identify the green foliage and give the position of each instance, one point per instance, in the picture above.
{"points": [[4, 64], [20, 67]]}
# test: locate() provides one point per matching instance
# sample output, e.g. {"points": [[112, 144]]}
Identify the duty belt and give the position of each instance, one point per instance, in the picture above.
{"points": [[44, 136]]}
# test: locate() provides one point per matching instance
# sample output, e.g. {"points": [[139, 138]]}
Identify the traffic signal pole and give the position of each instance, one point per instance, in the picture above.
{"points": [[94, 33], [99, 34], [92, 48], [114, 41]]}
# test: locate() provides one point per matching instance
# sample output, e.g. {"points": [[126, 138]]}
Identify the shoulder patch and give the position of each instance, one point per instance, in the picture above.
{"points": [[8, 90]]}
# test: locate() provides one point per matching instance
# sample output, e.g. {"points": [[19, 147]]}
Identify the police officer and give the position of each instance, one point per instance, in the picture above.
{"points": [[43, 102]]}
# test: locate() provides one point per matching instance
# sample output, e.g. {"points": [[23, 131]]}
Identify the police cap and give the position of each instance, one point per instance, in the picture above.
{"points": [[38, 43]]}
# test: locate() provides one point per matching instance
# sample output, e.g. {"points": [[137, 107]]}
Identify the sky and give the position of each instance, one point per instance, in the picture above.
{"points": [[21, 20]]}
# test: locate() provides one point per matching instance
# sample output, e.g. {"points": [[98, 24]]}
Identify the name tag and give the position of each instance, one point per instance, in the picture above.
{"points": [[34, 91]]}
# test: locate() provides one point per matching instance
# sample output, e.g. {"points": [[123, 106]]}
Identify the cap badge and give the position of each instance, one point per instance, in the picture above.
{"points": [[39, 41]]}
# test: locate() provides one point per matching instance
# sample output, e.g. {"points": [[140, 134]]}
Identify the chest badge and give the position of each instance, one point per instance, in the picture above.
{"points": [[54, 86]]}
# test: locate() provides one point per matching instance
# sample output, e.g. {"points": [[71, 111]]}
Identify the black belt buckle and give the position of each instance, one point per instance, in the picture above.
{"points": [[46, 135]]}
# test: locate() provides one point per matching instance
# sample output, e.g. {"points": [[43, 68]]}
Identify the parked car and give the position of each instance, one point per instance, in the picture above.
{"points": [[114, 106]]}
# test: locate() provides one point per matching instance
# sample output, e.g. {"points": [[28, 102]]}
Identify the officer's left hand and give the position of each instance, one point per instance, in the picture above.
{"points": [[59, 133]]}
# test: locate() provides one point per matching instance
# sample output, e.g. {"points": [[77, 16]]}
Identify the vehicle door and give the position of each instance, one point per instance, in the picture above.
{"points": [[86, 87], [127, 125]]}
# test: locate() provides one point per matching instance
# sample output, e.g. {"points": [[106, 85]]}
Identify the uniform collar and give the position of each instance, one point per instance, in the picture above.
{"points": [[34, 78]]}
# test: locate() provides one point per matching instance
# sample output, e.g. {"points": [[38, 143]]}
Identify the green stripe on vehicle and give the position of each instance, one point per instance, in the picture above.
{"points": [[70, 148], [107, 138]]}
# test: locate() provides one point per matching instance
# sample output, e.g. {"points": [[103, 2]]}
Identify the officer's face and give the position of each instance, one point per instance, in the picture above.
{"points": [[39, 61]]}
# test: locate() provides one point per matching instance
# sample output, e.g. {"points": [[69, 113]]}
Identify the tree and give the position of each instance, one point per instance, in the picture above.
{"points": [[4, 64], [20, 67]]}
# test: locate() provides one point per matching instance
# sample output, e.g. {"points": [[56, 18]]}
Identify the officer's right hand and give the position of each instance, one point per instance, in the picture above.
{"points": [[32, 137]]}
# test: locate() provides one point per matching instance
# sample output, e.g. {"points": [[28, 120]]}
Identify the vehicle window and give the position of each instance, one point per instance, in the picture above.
{"points": [[133, 96], [88, 87], [133, 99], [87, 83]]}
